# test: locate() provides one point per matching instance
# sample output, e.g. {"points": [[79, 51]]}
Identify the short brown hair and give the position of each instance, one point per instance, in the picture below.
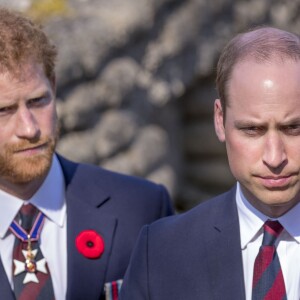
{"points": [[260, 44], [22, 42]]}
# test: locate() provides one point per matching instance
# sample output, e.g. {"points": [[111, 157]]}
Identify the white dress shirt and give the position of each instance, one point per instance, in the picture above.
{"points": [[288, 244], [50, 199]]}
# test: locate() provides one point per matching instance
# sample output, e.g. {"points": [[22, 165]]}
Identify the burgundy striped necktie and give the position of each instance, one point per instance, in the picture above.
{"points": [[268, 282], [32, 280]]}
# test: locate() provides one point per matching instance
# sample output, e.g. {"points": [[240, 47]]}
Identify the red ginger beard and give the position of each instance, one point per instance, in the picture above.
{"points": [[22, 169]]}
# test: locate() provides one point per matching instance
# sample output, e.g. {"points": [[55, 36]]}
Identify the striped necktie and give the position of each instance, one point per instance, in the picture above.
{"points": [[268, 282], [32, 280]]}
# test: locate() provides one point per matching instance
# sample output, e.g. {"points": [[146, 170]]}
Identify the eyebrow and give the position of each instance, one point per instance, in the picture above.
{"points": [[249, 123], [291, 121], [41, 93], [240, 123]]}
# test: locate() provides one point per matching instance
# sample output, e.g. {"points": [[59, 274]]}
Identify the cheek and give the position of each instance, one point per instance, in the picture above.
{"points": [[48, 120], [54, 120], [236, 149], [241, 147], [7, 135], [242, 156], [292, 150]]}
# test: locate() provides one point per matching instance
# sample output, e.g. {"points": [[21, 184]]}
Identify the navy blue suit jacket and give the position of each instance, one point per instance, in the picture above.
{"points": [[114, 205], [195, 255]]}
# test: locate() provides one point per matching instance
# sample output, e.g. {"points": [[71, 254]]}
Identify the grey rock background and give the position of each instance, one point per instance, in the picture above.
{"points": [[136, 84]]}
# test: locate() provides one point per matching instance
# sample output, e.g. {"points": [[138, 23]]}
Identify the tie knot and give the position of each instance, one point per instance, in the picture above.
{"points": [[272, 230], [27, 214]]}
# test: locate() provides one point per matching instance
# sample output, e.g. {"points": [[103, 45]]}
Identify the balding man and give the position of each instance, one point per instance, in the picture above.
{"points": [[244, 244]]}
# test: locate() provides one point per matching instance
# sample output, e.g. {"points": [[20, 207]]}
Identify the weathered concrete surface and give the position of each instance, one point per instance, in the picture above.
{"points": [[136, 84]]}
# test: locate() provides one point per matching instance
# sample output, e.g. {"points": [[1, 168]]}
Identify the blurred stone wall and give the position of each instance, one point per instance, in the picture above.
{"points": [[136, 83]]}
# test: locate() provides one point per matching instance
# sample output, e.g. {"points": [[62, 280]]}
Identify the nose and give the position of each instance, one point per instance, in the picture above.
{"points": [[26, 124], [274, 155]]}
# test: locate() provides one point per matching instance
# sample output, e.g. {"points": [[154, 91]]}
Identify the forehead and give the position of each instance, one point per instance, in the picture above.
{"points": [[29, 78], [23, 73], [249, 75], [262, 87]]}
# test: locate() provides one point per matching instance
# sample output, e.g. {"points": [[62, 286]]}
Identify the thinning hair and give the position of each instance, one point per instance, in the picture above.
{"points": [[261, 45], [23, 42]]}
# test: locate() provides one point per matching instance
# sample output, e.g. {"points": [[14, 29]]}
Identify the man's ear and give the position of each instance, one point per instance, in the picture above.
{"points": [[219, 120]]}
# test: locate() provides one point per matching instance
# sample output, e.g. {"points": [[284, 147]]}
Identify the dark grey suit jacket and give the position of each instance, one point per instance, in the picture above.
{"points": [[114, 205], [195, 255]]}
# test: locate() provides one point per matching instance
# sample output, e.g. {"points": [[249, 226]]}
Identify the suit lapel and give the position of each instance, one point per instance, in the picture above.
{"points": [[226, 266], [84, 199], [5, 289], [86, 276]]}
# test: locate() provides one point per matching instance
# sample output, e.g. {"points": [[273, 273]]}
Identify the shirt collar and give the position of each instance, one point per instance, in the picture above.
{"points": [[49, 198], [251, 220], [291, 222]]}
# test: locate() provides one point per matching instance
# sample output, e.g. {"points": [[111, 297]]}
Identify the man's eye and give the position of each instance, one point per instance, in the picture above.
{"points": [[292, 129], [38, 101], [35, 100], [252, 130], [6, 109]]}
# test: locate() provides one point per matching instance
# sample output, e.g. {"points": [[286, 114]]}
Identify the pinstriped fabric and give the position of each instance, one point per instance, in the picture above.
{"points": [[43, 289], [268, 282]]}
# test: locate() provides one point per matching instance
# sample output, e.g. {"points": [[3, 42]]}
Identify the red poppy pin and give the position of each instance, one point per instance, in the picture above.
{"points": [[90, 244]]}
